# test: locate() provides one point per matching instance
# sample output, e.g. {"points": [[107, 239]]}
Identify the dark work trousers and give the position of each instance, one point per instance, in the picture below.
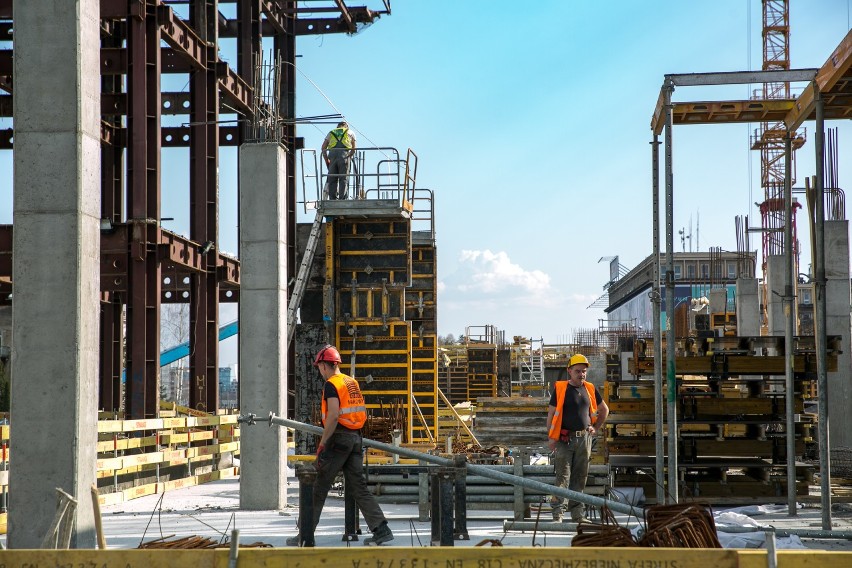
{"points": [[571, 465], [343, 452], [338, 172]]}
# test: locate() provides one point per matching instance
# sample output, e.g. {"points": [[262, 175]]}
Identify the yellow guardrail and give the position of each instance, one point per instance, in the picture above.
{"points": [[141, 448]]}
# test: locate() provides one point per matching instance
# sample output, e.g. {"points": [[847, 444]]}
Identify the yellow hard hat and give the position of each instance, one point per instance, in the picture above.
{"points": [[578, 360]]}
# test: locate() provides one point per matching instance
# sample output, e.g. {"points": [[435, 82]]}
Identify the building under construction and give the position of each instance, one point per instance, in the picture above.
{"points": [[745, 363]]}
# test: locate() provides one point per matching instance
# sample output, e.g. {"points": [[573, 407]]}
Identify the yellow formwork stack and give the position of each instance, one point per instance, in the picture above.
{"points": [[383, 313]]}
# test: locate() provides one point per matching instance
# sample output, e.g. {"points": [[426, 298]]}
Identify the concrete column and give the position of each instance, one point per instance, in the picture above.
{"points": [[56, 251], [263, 323], [748, 307], [837, 296], [776, 280]]}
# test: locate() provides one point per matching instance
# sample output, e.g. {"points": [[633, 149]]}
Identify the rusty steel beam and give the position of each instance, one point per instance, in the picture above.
{"points": [[181, 37], [5, 62], [5, 9], [170, 136], [143, 211], [235, 89], [344, 13], [120, 9], [5, 106], [275, 15]]}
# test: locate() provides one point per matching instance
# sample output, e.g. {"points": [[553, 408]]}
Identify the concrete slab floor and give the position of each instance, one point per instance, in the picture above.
{"points": [[212, 511]]}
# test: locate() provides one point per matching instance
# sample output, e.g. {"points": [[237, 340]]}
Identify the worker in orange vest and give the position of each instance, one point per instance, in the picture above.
{"points": [[575, 414], [340, 447]]}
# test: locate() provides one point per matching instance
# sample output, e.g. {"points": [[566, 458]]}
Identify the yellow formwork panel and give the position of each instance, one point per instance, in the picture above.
{"points": [[382, 354]]}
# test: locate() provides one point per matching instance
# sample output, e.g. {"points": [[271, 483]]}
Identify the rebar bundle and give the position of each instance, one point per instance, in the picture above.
{"points": [[680, 526], [195, 542], [608, 534]]}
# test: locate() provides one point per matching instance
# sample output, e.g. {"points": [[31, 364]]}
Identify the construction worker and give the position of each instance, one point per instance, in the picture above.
{"points": [[339, 449], [337, 150], [575, 414]]}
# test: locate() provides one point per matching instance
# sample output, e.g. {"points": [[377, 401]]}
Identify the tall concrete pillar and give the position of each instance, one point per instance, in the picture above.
{"points": [[56, 251], [263, 323], [776, 280], [748, 307], [837, 297]]}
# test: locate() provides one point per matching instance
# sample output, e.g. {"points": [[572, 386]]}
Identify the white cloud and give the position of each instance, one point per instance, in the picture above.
{"points": [[494, 273]]}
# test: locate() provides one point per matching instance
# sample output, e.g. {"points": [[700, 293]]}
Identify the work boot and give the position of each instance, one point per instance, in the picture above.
{"points": [[581, 519], [381, 535], [557, 512], [296, 541]]}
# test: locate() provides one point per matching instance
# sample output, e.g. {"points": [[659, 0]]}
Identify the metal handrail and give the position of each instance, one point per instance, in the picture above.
{"points": [[475, 469]]}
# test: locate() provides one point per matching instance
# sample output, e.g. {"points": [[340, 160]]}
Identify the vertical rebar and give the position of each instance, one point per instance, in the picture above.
{"points": [[821, 320], [659, 433], [789, 314], [670, 302]]}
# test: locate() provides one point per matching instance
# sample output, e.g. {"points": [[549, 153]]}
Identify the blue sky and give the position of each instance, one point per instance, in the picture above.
{"points": [[531, 121]]}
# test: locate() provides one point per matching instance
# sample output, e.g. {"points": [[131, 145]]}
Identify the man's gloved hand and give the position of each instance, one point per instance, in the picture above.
{"points": [[320, 449]]}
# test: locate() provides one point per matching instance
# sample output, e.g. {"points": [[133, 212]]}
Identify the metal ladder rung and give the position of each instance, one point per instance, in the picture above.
{"points": [[302, 276]]}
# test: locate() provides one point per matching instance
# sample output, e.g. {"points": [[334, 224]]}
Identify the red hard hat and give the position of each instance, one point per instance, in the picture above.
{"points": [[328, 354]]}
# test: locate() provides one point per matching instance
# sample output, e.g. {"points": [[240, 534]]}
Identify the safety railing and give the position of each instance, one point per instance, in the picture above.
{"points": [[375, 173], [143, 457]]}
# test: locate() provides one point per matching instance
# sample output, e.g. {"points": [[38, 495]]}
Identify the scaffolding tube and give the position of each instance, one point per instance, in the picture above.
{"points": [[550, 526], [484, 471]]}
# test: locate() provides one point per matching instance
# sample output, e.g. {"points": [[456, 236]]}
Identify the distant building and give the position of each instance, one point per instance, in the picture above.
{"points": [[175, 386], [695, 274]]}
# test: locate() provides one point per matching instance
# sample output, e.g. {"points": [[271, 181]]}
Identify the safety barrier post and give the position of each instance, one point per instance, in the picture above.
{"points": [[423, 494], [460, 474], [307, 479], [351, 528], [520, 507], [443, 484]]}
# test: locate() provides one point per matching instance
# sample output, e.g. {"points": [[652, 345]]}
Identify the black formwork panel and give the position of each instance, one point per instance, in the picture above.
{"points": [[481, 371], [370, 303], [424, 385], [421, 296], [382, 354], [372, 252]]}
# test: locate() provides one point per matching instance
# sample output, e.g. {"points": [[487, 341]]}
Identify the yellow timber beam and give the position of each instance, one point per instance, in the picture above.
{"points": [[431, 557], [830, 83], [724, 112]]}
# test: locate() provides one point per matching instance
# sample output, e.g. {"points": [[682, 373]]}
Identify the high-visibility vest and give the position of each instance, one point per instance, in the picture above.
{"points": [[561, 388], [340, 136], [353, 410]]}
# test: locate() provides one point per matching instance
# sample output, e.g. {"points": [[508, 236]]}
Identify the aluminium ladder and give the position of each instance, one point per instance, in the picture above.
{"points": [[302, 276]]}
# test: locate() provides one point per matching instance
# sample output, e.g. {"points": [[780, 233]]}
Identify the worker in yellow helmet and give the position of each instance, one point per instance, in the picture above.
{"points": [[337, 150], [575, 414]]}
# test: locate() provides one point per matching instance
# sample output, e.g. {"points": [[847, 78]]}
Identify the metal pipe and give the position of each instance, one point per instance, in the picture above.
{"points": [[771, 552], [820, 323], [789, 314], [659, 433], [509, 524], [459, 418], [484, 471], [671, 381]]}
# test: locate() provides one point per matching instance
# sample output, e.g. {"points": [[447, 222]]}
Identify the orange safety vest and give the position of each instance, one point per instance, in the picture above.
{"points": [[561, 388], [353, 411]]}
